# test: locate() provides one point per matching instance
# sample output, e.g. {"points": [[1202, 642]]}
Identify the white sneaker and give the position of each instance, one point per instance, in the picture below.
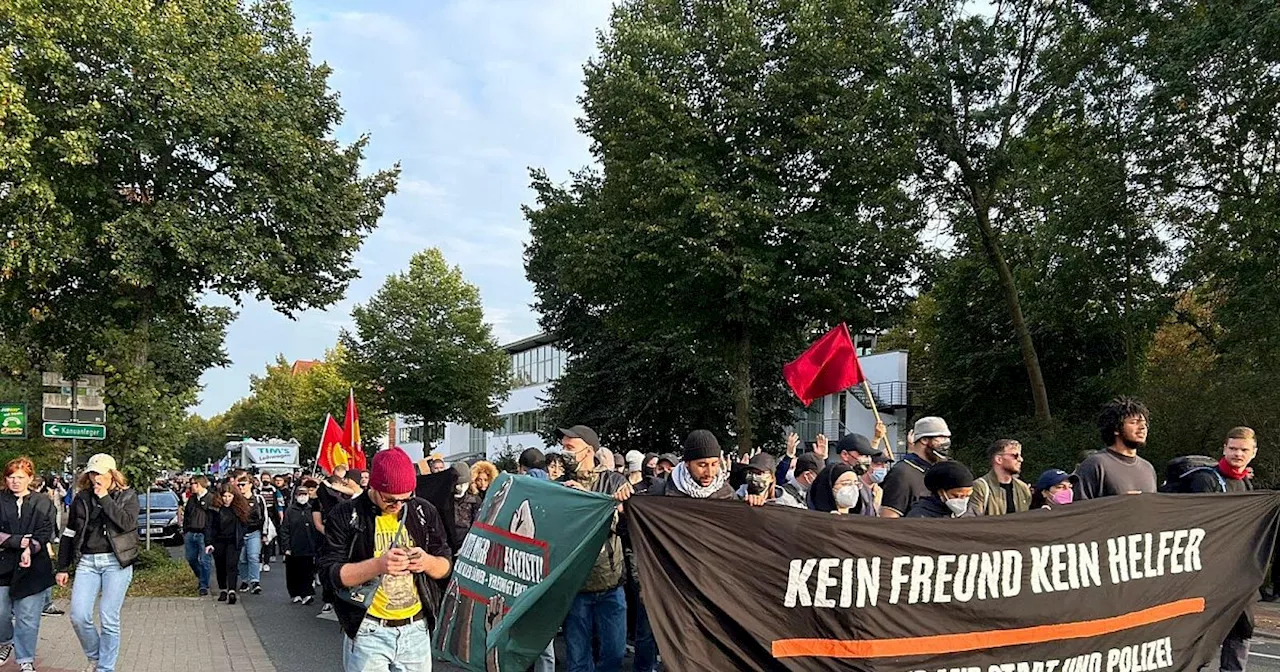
{"points": [[26, 667], [91, 667], [297, 599], [6, 652], [266, 567]]}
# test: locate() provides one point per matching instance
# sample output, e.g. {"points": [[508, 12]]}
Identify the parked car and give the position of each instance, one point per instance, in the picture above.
{"points": [[163, 523]]}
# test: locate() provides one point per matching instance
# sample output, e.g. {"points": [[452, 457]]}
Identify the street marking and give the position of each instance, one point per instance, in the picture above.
{"points": [[1264, 655]]}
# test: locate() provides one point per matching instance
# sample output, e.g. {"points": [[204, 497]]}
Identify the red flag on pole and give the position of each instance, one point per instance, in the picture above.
{"points": [[352, 440], [828, 366], [332, 453]]}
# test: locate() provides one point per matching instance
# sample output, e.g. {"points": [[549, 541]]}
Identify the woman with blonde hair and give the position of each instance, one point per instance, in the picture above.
{"points": [[483, 474], [27, 520], [102, 533]]}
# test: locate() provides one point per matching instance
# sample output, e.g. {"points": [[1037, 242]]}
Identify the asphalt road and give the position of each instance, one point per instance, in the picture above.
{"points": [[1264, 655]]}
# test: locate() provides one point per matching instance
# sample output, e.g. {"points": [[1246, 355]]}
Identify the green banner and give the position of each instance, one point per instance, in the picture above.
{"points": [[517, 573], [13, 421]]}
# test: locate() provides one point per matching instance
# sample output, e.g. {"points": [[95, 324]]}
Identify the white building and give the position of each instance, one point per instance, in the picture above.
{"points": [[536, 362]]}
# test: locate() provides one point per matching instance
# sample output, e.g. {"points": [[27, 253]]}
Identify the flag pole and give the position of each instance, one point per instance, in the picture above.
{"points": [[872, 399], [319, 448]]}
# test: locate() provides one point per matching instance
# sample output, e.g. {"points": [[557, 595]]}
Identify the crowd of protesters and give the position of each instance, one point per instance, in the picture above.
{"points": [[371, 551]]}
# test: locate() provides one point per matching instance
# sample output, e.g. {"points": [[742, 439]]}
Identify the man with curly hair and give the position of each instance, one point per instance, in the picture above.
{"points": [[1118, 470]]}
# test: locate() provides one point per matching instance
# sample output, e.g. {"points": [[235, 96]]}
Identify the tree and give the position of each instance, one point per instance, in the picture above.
{"points": [[423, 346], [160, 151], [753, 192], [284, 405]]}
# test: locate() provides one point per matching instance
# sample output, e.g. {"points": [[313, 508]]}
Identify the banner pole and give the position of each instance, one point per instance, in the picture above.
{"points": [[316, 465], [872, 399]]}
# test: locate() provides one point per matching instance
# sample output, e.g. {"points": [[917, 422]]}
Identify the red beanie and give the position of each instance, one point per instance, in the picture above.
{"points": [[393, 472]]}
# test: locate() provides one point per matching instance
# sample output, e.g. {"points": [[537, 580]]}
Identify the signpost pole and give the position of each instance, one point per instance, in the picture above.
{"points": [[74, 442], [148, 517]]}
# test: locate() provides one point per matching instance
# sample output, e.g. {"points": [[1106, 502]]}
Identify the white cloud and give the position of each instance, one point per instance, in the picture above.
{"points": [[466, 95]]}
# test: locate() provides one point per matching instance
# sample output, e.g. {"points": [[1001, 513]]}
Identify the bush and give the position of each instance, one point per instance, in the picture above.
{"points": [[155, 557], [1056, 445]]}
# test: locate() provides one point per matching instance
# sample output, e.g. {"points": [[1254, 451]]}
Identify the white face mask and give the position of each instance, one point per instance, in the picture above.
{"points": [[847, 497], [958, 506], [302, 499]]}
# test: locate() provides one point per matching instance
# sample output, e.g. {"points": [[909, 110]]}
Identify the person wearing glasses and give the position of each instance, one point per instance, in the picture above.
{"points": [[388, 534], [251, 551], [1000, 491], [102, 533]]}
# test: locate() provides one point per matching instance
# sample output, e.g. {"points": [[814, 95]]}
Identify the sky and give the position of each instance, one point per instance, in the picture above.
{"points": [[466, 95]]}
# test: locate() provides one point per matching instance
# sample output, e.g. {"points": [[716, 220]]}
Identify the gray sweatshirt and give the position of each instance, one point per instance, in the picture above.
{"points": [[1107, 473]]}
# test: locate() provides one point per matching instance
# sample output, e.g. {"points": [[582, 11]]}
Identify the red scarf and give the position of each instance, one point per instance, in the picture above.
{"points": [[1231, 472]]}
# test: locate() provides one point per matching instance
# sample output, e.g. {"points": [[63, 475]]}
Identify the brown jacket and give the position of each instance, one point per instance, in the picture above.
{"points": [[988, 496]]}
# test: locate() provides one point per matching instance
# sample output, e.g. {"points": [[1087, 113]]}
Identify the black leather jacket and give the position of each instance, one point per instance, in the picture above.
{"points": [[349, 531], [121, 510]]}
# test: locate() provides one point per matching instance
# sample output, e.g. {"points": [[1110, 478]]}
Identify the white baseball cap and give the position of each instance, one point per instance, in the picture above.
{"points": [[101, 463]]}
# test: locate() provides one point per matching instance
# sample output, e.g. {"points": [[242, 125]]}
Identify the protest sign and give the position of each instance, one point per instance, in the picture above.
{"points": [[518, 570], [1142, 583]]}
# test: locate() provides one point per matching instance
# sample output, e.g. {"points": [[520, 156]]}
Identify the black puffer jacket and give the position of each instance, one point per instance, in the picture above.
{"points": [[121, 510]]}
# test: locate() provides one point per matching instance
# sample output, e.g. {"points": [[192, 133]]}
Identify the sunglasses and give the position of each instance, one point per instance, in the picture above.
{"points": [[394, 501]]}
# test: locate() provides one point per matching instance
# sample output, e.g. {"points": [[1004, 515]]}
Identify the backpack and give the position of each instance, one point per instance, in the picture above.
{"points": [[1178, 473]]}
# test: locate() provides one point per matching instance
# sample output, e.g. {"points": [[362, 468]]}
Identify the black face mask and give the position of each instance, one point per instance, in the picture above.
{"points": [[942, 449], [758, 484], [646, 471], [861, 468]]}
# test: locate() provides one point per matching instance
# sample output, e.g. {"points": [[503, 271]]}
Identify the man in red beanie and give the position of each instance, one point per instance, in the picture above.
{"points": [[390, 535]]}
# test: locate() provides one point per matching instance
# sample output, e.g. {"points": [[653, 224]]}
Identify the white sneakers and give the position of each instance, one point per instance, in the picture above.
{"points": [[6, 652], [297, 599]]}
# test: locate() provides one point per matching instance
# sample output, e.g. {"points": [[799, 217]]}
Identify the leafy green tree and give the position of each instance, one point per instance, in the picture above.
{"points": [[283, 405], [750, 195], [424, 349]]}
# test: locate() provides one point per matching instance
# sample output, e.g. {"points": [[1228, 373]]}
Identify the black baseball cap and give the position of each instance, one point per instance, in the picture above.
{"points": [[763, 462], [669, 458], [582, 432], [857, 443], [808, 462]]}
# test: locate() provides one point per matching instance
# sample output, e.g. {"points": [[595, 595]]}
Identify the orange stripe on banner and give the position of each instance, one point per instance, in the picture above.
{"points": [[990, 639]]}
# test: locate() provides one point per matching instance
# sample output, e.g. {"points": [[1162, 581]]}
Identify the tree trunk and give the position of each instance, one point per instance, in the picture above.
{"points": [[742, 393], [1039, 393]]}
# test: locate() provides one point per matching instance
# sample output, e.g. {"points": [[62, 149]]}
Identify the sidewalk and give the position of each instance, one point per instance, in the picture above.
{"points": [[156, 636], [1267, 619]]}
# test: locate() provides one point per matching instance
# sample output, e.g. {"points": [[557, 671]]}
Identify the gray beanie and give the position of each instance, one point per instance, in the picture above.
{"points": [[464, 472]]}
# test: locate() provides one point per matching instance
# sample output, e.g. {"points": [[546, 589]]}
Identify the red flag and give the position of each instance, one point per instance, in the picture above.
{"points": [[828, 366], [332, 453], [352, 439]]}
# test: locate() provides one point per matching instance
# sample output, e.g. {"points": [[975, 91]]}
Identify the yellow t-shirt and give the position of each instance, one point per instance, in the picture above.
{"points": [[396, 596]]}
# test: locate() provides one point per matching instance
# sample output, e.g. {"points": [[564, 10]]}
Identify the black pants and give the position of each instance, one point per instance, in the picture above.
{"points": [[226, 562], [299, 572]]}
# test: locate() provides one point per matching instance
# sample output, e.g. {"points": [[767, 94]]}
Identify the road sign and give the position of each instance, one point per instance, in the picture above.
{"points": [[66, 430], [52, 379], [13, 421]]}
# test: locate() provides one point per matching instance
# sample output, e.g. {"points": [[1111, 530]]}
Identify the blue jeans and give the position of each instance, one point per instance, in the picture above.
{"points": [[602, 615], [378, 648], [20, 622], [546, 662], [646, 646], [251, 558], [201, 562], [99, 573]]}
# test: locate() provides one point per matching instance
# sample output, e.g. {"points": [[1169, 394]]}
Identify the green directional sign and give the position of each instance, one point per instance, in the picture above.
{"points": [[67, 430], [13, 421]]}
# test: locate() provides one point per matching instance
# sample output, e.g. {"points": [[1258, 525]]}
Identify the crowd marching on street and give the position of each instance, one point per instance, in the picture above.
{"points": [[372, 551]]}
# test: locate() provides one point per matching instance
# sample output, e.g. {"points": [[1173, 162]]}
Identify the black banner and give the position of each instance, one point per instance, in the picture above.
{"points": [[1143, 583]]}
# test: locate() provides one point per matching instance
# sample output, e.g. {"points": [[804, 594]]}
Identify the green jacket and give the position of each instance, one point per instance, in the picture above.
{"points": [[988, 497]]}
